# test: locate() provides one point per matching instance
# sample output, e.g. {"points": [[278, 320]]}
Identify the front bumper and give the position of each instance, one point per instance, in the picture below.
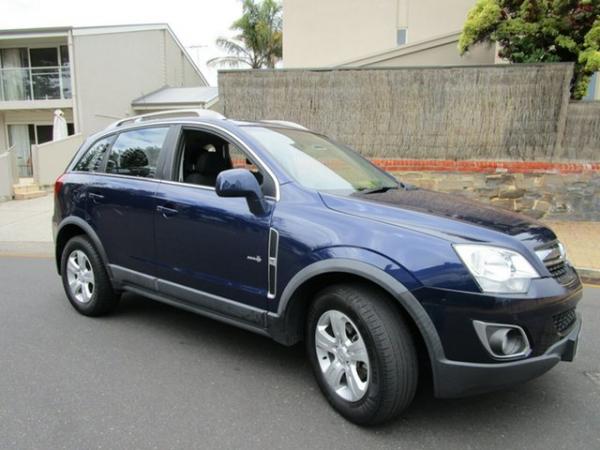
{"points": [[457, 379]]}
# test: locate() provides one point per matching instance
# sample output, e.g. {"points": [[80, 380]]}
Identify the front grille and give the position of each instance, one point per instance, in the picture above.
{"points": [[564, 320], [553, 258], [561, 272]]}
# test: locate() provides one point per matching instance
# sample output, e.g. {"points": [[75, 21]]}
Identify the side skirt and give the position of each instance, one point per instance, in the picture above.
{"points": [[199, 302]]}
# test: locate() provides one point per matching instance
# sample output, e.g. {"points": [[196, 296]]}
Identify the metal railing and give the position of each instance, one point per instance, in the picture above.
{"points": [[35, 83]]}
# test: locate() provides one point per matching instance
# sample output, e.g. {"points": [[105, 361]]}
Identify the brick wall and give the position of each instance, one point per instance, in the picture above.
{"points": [[551, 191]]}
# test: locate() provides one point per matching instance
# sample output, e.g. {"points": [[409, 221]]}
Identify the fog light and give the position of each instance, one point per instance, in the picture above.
{"points": [[502, 341]]}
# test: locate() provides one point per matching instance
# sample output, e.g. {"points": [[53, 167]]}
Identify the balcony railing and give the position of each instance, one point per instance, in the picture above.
{"points": [[35, 83]]}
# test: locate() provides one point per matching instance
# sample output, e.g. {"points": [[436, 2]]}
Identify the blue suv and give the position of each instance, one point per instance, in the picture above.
{"points": [[286, 233]]}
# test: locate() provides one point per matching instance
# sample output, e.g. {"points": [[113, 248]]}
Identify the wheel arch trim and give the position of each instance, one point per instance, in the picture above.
{"points": [[374, 274], [90, 233]]}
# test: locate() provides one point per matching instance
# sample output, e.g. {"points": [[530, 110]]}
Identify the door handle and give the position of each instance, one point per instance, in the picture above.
{"points": [[166, 212]]}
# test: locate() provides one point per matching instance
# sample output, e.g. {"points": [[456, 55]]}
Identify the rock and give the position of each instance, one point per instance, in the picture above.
{"points": [[505, 203], [524, 204], [541, 205], [553, 195], [511, 192], [534, 214], [499, 179]]}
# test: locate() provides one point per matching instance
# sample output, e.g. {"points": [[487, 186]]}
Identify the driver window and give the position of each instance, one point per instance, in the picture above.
{"points": [[204, 155]]}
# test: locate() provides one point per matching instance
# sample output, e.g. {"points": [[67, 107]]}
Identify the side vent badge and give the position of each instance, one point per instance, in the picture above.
{"points": [[273, 250]]}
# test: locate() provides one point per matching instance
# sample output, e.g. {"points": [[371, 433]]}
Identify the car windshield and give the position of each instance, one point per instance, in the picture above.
{"points": [[317, 163]]}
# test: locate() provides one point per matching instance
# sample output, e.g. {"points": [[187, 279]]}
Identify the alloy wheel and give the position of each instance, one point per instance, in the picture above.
{"points": [[342, 355], [80, 276]]}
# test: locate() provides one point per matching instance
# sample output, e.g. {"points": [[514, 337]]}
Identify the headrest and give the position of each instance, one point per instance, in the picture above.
{"points": [[211, 162]]}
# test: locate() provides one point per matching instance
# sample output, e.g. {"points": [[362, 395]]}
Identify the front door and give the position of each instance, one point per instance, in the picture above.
{"points": [[205, 242]]}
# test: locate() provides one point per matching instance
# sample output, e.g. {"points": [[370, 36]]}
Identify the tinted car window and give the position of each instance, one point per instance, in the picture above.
{"points": [[92, 160], [136, 152]]}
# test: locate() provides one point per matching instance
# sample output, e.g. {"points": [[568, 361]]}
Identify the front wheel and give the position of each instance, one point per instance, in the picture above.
{"points": [[362, 353]]}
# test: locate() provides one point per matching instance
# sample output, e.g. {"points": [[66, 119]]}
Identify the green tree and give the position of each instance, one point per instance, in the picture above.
{"points": [[530, 31], [258, 43]]}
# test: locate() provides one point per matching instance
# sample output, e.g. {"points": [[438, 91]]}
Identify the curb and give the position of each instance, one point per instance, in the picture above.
{"points": [[587, 275]]}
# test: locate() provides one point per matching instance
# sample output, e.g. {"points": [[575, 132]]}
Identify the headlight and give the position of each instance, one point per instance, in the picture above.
{"points": [[497, 269]]}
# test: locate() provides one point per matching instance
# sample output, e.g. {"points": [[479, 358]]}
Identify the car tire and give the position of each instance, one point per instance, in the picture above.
{"points": [[364, 392], [85, 280]]}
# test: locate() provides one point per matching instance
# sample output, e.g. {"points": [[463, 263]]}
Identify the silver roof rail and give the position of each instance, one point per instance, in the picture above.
{"points": [[285, 123], [173, 114]]}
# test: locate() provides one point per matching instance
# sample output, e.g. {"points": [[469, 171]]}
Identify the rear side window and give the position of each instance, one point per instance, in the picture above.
{"points": [[135, 153], [93, 158]]}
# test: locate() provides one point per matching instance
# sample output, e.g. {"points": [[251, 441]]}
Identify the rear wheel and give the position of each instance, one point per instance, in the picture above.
{"points": [[362, 353], [85, 279]]}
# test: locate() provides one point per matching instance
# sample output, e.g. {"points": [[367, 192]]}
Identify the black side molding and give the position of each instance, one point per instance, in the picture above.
{"points": [[214, 306]]}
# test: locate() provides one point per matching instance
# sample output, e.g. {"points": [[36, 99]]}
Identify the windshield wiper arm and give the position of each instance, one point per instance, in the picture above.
{"points": [[376, 190]]}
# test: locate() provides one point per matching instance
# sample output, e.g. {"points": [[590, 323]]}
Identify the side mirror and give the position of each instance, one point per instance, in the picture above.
{"points": [[241, 183]]}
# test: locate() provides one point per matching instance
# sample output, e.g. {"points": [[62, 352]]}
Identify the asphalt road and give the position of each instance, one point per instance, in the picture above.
{"points": [[151, 376]]}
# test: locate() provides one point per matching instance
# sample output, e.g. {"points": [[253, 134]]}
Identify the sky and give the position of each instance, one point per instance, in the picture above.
{"points": [[196, 23]]}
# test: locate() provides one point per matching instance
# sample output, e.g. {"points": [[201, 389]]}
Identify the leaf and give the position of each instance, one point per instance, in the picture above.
{"points": [[259, 39], [530, 31], [481, 21]]}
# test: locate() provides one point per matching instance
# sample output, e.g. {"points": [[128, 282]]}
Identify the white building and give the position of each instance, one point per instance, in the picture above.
{"points": [[326, 33], [95, 75]]}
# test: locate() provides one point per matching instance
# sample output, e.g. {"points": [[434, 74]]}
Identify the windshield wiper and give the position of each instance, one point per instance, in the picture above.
{"points": [[376, 190]]}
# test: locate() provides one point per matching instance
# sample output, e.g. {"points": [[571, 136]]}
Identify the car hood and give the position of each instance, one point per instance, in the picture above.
{"points": [[450, 216]]}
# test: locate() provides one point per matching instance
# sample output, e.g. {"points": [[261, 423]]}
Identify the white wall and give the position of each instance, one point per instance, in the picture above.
{"points": [[180, 73], [443, 55], [3, 137], [9, 174], [112, 69], [51, 159], [319, 33], [428, 18], [6, 180]]}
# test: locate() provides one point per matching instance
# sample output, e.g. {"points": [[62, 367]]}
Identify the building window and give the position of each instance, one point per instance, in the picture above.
{"points": [[401, 36], [40, 73]]}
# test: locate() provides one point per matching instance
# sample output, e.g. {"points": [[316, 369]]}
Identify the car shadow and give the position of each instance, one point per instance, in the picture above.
{"points": [[503, 410], [195, 329]]}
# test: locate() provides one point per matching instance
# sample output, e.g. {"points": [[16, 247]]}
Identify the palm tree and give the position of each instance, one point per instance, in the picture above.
{"points": [[259, 42]]}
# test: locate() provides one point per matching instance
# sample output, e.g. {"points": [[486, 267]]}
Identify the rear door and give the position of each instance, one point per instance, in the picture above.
{"points": [[121, 200]]}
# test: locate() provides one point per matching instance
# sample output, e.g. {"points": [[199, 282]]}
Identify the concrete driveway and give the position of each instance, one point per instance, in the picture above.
{"points": [[151, 376], [26, 226]]}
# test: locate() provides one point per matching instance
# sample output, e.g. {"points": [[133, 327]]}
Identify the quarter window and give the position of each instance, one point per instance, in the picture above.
{"points": [[135, 153], [93, 158]]}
